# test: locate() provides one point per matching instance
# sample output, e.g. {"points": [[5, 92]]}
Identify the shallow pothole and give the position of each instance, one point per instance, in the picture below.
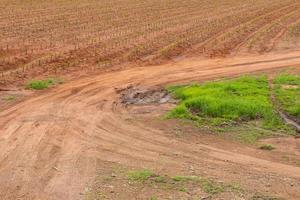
{"points": [[138, 95]]}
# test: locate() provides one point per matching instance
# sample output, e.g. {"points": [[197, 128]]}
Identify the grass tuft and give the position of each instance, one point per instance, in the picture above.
{"points": [[42, 84]]}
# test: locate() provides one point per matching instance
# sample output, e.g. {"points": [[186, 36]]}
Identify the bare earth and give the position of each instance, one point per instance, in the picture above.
{"points": [[52, 142]]}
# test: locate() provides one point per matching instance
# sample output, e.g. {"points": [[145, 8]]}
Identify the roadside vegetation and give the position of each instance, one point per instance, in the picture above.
{"points": [[241, 106], [162, 185], [42, 84], [287, 93]]}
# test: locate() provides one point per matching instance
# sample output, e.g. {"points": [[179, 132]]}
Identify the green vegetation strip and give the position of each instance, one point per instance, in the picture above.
{"points": [[239, 108], [182, 183], [287, 93]]}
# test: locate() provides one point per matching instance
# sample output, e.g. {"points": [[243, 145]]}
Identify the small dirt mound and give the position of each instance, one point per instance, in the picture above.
{"points": [[134, 95]]}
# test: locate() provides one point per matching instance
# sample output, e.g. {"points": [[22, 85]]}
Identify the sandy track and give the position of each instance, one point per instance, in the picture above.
{"points": [[50, 143]]}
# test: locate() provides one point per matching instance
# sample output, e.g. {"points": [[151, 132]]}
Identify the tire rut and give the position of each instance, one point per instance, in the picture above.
{"points": [[50, 143]]}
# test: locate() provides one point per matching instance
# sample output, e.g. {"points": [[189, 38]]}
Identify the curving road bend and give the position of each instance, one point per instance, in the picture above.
{"points": [[50, 143]]}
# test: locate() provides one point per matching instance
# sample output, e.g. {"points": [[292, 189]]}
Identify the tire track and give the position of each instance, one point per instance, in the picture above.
{"points": [[50, 144]]}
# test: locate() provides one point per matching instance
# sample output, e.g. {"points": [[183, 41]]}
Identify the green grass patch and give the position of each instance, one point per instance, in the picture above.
{"points": [[268, 147], [226, 102], [287, 93], [42, 84]]}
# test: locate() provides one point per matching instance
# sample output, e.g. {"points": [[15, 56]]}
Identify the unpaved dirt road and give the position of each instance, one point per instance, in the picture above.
{"points": [[50, 143]]}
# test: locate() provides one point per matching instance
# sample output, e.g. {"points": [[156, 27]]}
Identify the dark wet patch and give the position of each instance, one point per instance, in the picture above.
{"points": [[137, 95]]}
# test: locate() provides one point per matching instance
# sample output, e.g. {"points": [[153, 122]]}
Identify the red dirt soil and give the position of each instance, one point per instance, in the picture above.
{"points": [[51, 142], [56, 37]]}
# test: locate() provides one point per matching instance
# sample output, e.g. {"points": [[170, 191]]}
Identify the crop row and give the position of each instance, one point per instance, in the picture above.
{"points": [[51, 34]]}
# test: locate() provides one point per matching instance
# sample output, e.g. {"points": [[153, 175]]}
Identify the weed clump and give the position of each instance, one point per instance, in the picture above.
{"points": [[42, 84]]}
